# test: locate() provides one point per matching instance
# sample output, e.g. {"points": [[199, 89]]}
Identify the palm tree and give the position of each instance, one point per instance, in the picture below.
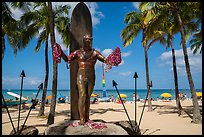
{"points": [[196, 42], [181, 12], [178, 103], [136, 23], [196, 112], [54, 82], [39, 19], [11, 27], [162, 24]]}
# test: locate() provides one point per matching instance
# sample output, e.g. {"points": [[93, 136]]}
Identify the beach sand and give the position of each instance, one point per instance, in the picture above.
{"points": [[163, 120]]}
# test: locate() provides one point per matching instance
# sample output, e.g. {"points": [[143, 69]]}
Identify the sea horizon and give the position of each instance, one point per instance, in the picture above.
{"points": [[155, 93]]}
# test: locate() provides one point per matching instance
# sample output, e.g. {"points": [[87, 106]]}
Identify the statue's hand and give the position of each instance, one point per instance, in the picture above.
{"points": [[107, 67], [72, 56]]}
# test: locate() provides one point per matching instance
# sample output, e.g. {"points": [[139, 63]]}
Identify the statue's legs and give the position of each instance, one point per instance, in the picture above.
{"points": [[81, 104], [87, 102]]}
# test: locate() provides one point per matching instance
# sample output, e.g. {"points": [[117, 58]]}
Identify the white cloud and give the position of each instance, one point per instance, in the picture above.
{"points": [[96, 17], [126, 54], [125, 73], [93, 8], [28, 81], [122, 62], [106, 52], [136, 5], [10, 81], [195, 61]]}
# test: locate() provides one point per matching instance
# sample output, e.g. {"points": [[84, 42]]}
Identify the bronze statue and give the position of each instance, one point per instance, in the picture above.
{"points": [[86, 58]]}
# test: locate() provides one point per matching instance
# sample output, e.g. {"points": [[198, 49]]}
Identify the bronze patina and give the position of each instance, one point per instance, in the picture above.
{"points": [[81, 24], [86, 58]]}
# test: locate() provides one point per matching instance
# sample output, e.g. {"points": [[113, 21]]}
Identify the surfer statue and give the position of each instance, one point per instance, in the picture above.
{"points": [[86, 58]]}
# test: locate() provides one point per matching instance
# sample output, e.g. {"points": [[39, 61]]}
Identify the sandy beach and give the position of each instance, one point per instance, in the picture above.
{"points": [[163, 120]]}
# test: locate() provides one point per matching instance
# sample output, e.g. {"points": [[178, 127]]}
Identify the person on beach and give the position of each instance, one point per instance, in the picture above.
{"points": [[86, 58], [112, 98], [46, 101], [67, 99], [133, 97]]}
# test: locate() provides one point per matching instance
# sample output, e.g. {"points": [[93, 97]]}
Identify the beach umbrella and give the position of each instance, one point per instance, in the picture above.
{"points": [[94, 95], [166, 95], [49, 97], [122, 96], [199, 94]]}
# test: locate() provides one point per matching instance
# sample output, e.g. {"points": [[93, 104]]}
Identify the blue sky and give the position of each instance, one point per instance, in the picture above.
{"points": [[108, 22]]}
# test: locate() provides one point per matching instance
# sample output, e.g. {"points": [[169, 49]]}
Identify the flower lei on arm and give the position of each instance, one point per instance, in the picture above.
{"points": [[71, 56], [57, 52], [114, 59]]}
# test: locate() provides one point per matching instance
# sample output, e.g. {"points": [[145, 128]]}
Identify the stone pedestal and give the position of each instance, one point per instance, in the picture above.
{"points": [[62, 128], [27, 130]]}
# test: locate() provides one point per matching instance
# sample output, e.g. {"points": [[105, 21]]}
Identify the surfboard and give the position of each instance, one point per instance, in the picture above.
{"points": [[16, 95], [81, 24]]}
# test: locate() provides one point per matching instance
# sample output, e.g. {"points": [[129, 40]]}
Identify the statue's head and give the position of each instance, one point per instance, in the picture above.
{"points": [[87, 39]]}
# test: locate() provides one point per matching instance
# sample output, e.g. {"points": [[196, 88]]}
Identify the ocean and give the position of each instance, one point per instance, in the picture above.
{"points": [[129, 92]]}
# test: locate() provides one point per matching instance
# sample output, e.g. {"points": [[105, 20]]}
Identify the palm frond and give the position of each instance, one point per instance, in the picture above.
{"points": [[42, 37]]}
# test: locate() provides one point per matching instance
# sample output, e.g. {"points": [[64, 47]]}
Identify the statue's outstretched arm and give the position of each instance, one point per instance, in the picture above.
{"points": [[72, 56], [58, 54], [100, 57]]}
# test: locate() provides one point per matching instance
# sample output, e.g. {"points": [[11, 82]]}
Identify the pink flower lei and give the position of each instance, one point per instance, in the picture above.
{"points": [[57, 52], [114, 59]]}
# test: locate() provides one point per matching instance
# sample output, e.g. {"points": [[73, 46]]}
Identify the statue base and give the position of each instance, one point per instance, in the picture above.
{"points": [[63, 128]]}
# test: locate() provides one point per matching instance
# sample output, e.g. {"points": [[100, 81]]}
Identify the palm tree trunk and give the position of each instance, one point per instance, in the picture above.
{"points": [[178, 104], [147, 79], [3, 44], [54, 81], [196, 112], [42, 106]]}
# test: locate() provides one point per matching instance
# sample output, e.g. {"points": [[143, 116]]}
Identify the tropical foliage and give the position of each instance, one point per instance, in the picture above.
{"points": [[38, 20], [196, 42], [171, 18], [11, 28], [35, 21], [136, 22]]}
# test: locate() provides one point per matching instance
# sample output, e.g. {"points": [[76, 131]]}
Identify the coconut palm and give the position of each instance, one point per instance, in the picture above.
{"points": [[136, 23], [11, 27], [182, 12], [196, 42], [39, 20], [196, 112], [54, 82], [162, 24]]}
